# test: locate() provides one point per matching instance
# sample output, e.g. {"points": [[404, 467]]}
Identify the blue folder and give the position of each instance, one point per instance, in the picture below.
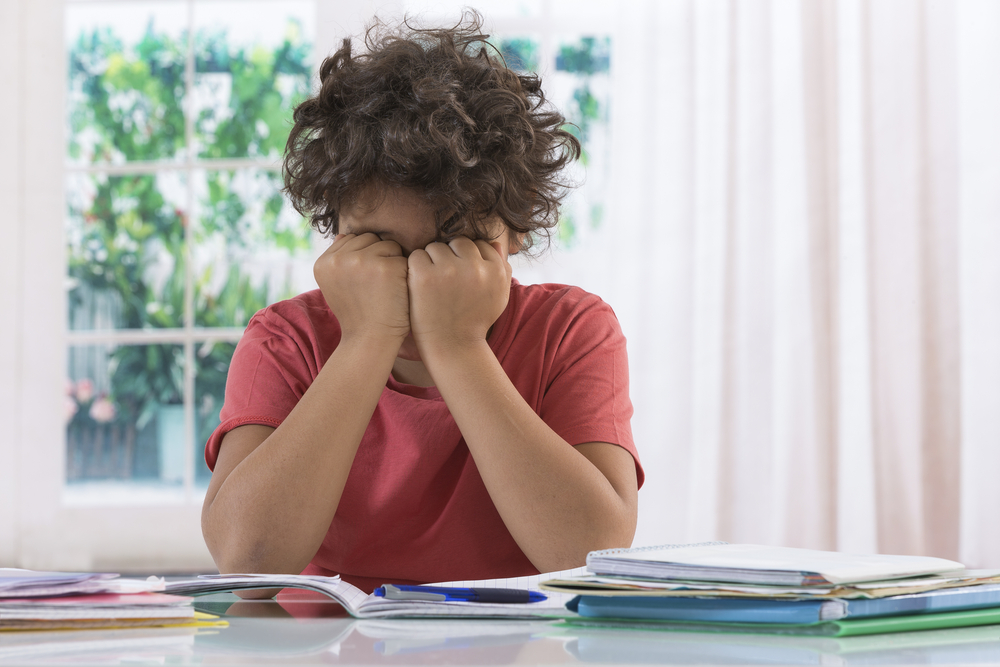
{"points": [[745, 610], [716, 610]]}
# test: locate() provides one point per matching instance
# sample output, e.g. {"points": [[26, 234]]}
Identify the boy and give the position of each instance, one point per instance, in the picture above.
{"points": [[422, 416]]}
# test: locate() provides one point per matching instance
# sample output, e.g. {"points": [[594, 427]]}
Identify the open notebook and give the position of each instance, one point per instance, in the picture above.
{"points": [[362, 605]]}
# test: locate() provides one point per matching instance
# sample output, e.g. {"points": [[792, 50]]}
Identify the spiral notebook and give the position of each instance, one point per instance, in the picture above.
{"points": [[760, 564]]}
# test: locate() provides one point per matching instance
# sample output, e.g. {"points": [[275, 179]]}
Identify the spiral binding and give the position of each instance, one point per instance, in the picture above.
{"points": [[633, 550]]}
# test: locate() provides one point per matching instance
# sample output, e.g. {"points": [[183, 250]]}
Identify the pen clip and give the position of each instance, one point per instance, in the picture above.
{"points": [[391, 592]]}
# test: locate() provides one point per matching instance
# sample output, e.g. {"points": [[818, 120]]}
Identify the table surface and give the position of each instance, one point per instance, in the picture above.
{"points": [[304, 628]]}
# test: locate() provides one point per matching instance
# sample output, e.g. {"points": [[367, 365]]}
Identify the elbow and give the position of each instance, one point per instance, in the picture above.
{"points": [[231, 559], [243, 561], [236, 551], [232, 556], [616, 529], [609, 530], [613, 529], [616, 533], [229, 550], [216, 540]]}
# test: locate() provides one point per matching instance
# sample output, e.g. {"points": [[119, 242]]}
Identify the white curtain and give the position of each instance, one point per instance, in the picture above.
{"points": [[804, 252]]}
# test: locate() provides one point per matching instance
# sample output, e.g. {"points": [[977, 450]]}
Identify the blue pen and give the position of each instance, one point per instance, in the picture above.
{"points": [[445, 594]]}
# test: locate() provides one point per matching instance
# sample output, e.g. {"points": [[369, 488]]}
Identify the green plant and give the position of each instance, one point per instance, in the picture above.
{"points": [[587, 58], [520, 53], [129, 256]]}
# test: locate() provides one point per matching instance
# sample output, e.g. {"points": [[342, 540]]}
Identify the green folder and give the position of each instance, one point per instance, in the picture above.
{"points": [[842, 628]]}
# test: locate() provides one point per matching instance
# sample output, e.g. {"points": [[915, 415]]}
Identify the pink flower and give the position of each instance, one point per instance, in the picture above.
{"points": [[102, 410], [84, 390], [71, 409]]}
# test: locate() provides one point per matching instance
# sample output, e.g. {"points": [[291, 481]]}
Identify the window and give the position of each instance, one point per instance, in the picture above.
{"points": [[177, 231]]}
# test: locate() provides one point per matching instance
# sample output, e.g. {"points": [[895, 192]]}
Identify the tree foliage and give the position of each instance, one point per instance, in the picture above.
{"points": [[130, 250]]}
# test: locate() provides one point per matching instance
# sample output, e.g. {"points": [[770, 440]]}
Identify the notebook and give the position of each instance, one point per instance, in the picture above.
{"points": [[362, 605], [636, 587], [759, 564]]}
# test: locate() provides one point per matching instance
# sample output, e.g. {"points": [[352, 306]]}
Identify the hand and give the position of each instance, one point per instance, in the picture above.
{"points": [[457, 291], [363, 280]]}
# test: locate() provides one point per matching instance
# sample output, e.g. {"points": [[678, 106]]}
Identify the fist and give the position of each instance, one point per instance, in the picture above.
{"points": [[457, 291], [363, 280]]}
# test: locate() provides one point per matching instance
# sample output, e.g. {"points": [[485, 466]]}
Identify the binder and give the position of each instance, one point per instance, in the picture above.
{"points": [[742, 610]]}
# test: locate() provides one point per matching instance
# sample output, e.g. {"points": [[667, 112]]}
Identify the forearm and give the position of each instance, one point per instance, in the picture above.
{"points": [[555, 502], [274, 508]]}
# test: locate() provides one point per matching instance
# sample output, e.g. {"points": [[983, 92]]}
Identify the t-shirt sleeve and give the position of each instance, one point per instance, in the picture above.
{"points": [[269, 373], [587, 397]]}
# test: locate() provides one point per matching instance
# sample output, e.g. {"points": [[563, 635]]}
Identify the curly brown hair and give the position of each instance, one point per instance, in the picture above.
{"points": [[438, 111]]}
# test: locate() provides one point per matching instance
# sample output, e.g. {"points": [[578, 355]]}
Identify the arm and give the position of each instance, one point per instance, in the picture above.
{"points": [[274, 492], [558, 501]]}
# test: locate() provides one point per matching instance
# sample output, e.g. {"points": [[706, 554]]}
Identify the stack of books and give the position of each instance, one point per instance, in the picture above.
{"points": [[752, 588], [31, 600]]}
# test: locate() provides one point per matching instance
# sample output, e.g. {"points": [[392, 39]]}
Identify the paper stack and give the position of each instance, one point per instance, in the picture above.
{"points": [[753, 588], [31, 600]]}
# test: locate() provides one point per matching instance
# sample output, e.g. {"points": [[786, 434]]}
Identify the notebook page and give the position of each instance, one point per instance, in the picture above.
{"points": [[382, 608], [554, 604], [834, 567], [352, 595]]}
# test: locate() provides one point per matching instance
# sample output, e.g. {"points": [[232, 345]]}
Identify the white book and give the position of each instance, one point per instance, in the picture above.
{"points": [[759, 564]]}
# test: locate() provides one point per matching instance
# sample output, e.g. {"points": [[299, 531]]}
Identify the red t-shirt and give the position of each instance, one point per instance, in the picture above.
{"points": [[415, 508]]}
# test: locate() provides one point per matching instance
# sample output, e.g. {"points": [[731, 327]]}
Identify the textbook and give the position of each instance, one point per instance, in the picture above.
{"points": [[733, 610], [102, 611], [840, 628], [643, 587], [199, 620], [362, 605], [758, 564]]}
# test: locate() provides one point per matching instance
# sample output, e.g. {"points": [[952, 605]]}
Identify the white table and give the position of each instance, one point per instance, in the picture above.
{"points": [[313, 631]]}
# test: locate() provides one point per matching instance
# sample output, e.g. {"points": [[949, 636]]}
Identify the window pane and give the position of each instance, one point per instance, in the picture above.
{"points": [[212, 365], [251, 247], [580, 87], [519, 52], [126, 81], [125, 237], [249, 75], [124, 413]]}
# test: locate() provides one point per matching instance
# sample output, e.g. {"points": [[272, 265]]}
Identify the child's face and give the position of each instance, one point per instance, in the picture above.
{"points": [[408, 219]]}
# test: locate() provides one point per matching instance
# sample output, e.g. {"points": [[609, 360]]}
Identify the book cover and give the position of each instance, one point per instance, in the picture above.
{"points": [[761, 564]]}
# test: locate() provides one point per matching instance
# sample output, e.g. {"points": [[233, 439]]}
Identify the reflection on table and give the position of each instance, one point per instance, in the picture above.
{"points": [[305, 628]]}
